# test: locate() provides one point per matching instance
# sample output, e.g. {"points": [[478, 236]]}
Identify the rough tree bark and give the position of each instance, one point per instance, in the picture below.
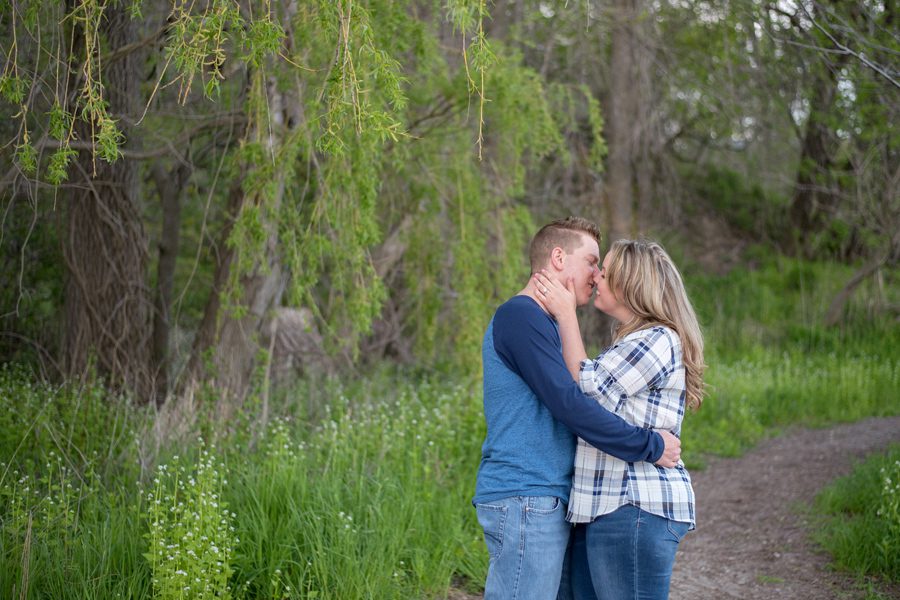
{"points": [[107, 302], [647, 131], [620, 122]]}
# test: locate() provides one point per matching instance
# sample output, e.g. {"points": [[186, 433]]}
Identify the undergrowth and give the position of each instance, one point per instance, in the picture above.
{"points": [[860, 518]]}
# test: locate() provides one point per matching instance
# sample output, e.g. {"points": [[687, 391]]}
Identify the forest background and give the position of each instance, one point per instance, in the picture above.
{"points": [[249, 250]]}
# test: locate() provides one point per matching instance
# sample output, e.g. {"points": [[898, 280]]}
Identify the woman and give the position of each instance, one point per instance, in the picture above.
{"points": [[635, 513]]}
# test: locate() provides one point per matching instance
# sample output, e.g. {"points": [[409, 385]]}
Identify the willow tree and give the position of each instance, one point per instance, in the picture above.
{"points": [[354, 158], [107, 301], [62, 111]]}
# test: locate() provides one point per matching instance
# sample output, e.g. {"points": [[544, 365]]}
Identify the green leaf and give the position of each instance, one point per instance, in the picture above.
{"points": [[12, 88], [58, 169], [109, 140], [26, 157], [60, 122]]}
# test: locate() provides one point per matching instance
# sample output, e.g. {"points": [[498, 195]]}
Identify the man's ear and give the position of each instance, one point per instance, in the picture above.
{"points": [[557, 258]]}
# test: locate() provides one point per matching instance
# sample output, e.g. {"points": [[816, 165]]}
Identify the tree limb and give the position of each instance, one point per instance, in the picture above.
{"points": [[837, 305], [846, 50]]}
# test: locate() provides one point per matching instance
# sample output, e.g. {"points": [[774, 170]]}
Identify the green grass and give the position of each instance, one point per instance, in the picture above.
{"points": [[361, 488], [860, 517], [757, 396], [370, 501], [772, 362]]}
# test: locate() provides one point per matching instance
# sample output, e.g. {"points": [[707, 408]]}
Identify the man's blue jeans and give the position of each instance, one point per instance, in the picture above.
{"points": [[627, 554], [526, 538]]}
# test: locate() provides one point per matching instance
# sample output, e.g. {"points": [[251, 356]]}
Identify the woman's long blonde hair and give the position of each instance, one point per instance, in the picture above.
{"points": [[643, 277]]}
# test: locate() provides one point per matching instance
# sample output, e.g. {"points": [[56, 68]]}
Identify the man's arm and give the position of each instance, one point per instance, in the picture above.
{"points": [[527, 342]]}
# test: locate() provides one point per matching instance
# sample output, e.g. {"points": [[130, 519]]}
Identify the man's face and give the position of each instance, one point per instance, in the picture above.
{"points": [[581, 266]]}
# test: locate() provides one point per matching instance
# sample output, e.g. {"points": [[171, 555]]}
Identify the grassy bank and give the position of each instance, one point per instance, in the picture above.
{"points": [[860, 518], [772, 362], [361, 489]]}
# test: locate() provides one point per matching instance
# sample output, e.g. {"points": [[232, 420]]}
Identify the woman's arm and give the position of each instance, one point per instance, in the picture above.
{"points": [[640, 361], [559, 301]]}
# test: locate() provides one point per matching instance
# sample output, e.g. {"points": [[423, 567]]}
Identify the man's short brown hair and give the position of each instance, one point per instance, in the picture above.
{"points": [[565, 233]]}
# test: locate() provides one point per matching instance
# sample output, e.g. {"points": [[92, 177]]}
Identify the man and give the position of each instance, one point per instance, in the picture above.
{"points": [[533, 410]]}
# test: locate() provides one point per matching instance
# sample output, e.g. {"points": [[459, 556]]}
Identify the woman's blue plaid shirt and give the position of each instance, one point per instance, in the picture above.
{"points": [[641, 378]]}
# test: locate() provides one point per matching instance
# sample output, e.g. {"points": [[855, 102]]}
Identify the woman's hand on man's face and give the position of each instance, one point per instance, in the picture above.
{"points": [[558, 300]]}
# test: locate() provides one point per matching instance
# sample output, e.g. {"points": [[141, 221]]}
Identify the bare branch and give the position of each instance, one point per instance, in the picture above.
{"points": [[843, 49]]}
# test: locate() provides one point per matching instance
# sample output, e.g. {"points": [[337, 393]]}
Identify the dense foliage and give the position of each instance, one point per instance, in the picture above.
{"points": [[180, 172]]}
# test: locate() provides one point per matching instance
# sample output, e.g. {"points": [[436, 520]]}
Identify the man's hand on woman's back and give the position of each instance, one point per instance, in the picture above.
{"points": [[672, 453]]}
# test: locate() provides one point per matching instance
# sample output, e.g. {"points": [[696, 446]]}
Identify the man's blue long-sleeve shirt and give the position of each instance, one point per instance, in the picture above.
{"points": [[532, 406]]}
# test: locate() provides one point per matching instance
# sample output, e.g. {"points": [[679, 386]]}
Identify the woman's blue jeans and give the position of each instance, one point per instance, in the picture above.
{"points": [[626, 554], [526, 538]]}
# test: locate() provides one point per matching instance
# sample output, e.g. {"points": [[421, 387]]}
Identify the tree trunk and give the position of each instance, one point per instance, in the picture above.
{"points": [[107, 303], [205, 337], [228, 344], [647, 133], [836, 308], [169, 186], [622, 97], [814, 195]]}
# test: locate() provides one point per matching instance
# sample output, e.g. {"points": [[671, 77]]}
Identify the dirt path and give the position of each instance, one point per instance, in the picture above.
{"points": [[752, 538]]}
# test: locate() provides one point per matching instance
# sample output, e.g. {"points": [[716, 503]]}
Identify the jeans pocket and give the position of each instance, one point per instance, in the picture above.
{"points": [[492, 519], [676, 529], [543, 505]]}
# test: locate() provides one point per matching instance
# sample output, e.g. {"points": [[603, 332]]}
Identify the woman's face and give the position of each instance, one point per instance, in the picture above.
{"points": [[605, 299]]}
